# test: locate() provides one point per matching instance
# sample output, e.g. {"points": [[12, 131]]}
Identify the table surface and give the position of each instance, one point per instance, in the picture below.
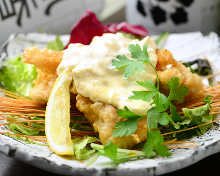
{"points": [[12, 167]]}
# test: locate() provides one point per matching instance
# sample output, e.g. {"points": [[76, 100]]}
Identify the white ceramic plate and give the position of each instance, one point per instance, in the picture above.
{"points": [[184, 47]]}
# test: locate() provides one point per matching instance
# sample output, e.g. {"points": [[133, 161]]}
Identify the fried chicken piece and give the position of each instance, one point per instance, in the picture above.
{"points": [[103, 117], [168, 68], [42, 86], [46, 62]]}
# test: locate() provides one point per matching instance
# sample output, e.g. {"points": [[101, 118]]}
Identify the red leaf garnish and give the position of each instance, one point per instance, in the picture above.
{"points": [[125, 27], [86, 28], [89, 26]]}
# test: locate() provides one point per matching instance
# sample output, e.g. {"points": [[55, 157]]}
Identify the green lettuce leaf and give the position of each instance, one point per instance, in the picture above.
{"points": [[82, 149], [56, 45], [194, 117], [17, 77], [18, 128], [198, 115], [118, 155], [22, 129]]}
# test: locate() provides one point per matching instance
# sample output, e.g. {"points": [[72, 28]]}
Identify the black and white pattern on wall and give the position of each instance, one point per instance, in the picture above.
{"points": [[20, 9], [140, 8], [50, 6], [161, 14]]}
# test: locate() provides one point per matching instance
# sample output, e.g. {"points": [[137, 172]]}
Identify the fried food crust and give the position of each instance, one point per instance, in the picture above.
{"points": [[103, 117], [45, 60], [168, 68], [42, 86]]}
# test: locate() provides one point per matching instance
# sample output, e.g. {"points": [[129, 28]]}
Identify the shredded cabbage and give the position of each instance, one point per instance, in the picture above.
{"points": [[17, 77]]}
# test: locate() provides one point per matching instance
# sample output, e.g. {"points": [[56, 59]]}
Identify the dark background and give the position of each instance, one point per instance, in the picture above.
{"points": [[10, 167]]}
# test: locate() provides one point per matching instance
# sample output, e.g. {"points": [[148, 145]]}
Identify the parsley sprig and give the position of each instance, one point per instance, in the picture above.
{"points": [[139, 57], [136, 64], [127, 127], [162, 111]]}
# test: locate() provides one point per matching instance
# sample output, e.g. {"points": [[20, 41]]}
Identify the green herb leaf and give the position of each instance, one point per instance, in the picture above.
{"points": [[164, 119], [177, 92], [149, 84], [121, 61], [155, 145], [110, 151], [174, 114], [153, 116], [142, 95], [136, 64], [138, 53], [132, 68], [56, 45], [125, 128], [126, 113], [161, 102]]}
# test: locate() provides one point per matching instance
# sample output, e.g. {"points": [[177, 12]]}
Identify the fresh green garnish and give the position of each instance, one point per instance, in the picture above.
{"points": [[110, 151], [198, 115], [161, 40], [127, 127], [81, 148], [19, 128], [56, 45], [162, 111], [195, 117], [161, 103], [133, 37], [177, 92], [23, 130], [136, 64], [116, 154], [17, 77], [155, 145], [155, 117]]}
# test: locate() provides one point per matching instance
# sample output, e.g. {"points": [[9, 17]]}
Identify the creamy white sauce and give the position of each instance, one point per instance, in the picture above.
{"points": [[96, 78]]}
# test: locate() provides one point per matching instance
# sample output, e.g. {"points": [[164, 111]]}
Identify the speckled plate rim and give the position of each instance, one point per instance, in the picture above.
{"points": [[49, 166], [17, 149]]}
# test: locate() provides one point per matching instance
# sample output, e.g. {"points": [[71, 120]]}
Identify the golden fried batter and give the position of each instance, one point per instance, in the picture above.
{"points": [[42, 86], [46, 62], [103, 117], [168, 68]]}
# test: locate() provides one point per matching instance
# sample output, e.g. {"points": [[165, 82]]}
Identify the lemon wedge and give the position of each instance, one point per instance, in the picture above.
{"points": [[57, 117]]}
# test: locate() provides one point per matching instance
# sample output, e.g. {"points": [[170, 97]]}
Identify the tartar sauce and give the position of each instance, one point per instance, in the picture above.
{"points": [[96, 78]]}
